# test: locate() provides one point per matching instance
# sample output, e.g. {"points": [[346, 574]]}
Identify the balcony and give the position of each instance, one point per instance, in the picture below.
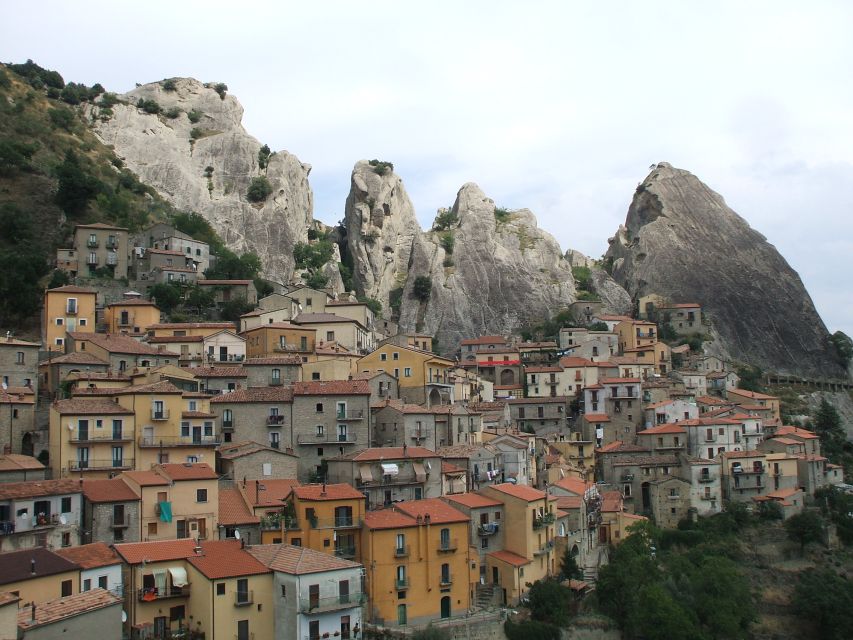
{"points": [[109, 436], [228, 425], [447, 545], [92, 260], [287, 348], [544, 549], [356, 414], [319, 438], [706, 478], [101, 465], [151, 594], [119, 523], [399, 552], [748, 470], [161, 414], [336, 523], [7, 528], [93, 244], [275, 420], [543, 520], [112, 259], [627, 477], [244, 598], [345, 552], [401, 584], [274, 522], [708, 496], [71, 310], [276, 381], [445, 580], [111, 244], [488, 529], [334, 603], [179, 441]]}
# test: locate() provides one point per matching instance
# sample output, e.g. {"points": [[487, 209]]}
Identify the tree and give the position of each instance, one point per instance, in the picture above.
{"points": [[76, 187], [548, 601], [263, 287], [660, 617], [167, 296], [804, 528], [569, 567], [234, 308], [843, 347], [750, 378], [531, 630], [827, 424], [259, 189], [264, 156], [826, 599], [422, 288], [200, 299]]}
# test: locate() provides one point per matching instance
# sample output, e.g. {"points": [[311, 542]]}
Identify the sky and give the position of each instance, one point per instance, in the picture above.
{"points": [[559, 107]]}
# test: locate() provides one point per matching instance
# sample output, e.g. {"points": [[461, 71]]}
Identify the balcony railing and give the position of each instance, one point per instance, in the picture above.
{"points": [[153, 593], [627, 477], [446, 580], [401, 584], [179, 441], [276, 381], [399, 552], [333, 603], [356, 414], [111, 244], [244, 598], [161, 414], [92, 260], [345, 552], [545, 548], [274, 522], [7, 528], [748, 470], [100, 465], [119, 523], [287, 348], [107, 436], [275, 420], [488, 529], [228, 425], [448, 545], [318, 438], [93, 244], [708, 496], [706, 477]]}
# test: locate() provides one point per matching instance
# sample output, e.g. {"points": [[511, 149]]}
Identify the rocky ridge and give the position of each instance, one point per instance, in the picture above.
{"points": [[682, 241]]}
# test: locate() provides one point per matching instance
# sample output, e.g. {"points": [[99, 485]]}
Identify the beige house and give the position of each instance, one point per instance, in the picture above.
{"points": [[101, 246], [66, 309], [347, 332]]}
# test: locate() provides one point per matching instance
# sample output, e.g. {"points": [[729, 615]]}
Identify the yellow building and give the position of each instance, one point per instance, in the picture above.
{"points": [[326, 518], [330, 361], [178, 501], [423, 377], [95, 436], [418, 562], [67, 308], [279, 338], [528, 554], [636, 333], [132, 315], [212, 586], [203, 329], [38, 575]]}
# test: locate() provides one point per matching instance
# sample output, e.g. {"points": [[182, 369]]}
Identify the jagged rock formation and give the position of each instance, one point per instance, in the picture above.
{"points": [[614, 298], [681, 240], [498, 274], [172, 154]]}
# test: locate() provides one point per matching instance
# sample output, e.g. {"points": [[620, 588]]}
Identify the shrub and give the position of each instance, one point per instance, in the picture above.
{"points": [[208, 171], [76, 187], [169, 85], [501, 214], [15, 156], [172, 112], [61, 118], [422, 288], [531, 630], [313, 256], [149, 106], [381, 167], [109, 100], [316, 280], [259, 189], [221, 88], [445, 219], [38, 76], [196, 133], [264, 157], [395, 299], [195, 115], [447, 241], [371, 303]]}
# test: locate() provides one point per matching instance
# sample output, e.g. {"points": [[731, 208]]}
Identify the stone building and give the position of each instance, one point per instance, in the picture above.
{"points": [[111, 511]]}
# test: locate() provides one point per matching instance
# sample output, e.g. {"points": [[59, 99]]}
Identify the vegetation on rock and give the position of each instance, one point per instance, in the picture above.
{"points": [[259, 189]]}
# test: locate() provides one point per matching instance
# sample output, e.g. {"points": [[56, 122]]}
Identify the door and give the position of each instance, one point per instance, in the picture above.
{"points": [[496, 577], [159, 410], [223, 354], [116, 429], [445, 607], [314, 596], [197, 433], [118, 456], [342, 433], [402, 618], [242, 630], [148, 435], [83, 458], [343, 591], [160, 625], [82, 429]]}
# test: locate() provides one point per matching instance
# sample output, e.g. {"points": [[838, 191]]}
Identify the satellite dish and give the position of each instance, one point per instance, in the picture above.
{"points": [[5, 386], [70, 427], [124, 616], [63, 519], [237, 533]]}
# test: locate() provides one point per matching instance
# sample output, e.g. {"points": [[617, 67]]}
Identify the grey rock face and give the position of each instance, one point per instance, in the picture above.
{"points": [[614, 298], [681, 240], [163, 153]]}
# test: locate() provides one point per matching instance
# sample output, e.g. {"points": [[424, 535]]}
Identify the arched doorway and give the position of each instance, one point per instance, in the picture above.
{"points": [[507, 377], [27, 444], [434, 398], [445, 607]]}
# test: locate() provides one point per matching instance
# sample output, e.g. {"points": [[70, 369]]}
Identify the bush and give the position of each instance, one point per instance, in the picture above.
{"points": [[221, 88], [148, 106], [61, 118], [313, 256], [234, 308], [76, 187], [371, 303], [195, 116], [395, 299], [804, 528], [259, 189], [108, 100], [381, 167], [15, 156], [264, 157], [172, 113], [196, 133], [208, 171], [531, 630], [445, 219], [447, 242], [316, 280], [501, 214], [169, 85], [422, 288], [38, 76], [824, 598], [166, 296]]}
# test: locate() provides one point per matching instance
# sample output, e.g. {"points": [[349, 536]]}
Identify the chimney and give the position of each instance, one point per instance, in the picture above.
{"points": [[32, 611], [323, 492], [405, 450], [427, 519], [33, 566]]}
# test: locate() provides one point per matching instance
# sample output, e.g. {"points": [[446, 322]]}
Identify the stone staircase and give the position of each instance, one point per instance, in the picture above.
{"points": [[485, 596]]}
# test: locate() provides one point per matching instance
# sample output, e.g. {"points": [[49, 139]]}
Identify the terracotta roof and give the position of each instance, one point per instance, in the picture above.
{"points": [[189, 471], [197, 414], [146, 478], [54, 611], [618, 446], [510, 558], [388, 519], [647, 461], [233, 450], [115, 343], [233, 509], [269, 492], [136, 302], [19, 462], [90, 556], [15, 342], [164, 386], [663, 428], [165, 252], [256, 394], [77, 357], [575, 485], [281, 325], [568, 502], [463, 450], [323, 318], [99, 375], [37, 488], [226, 559], [70, 288], [89, 406], [438, 510], [596, 417], [711, 400], [519, 491], [619, 381], [277, 360], [7, 597], [743, 454], [317, 492], [796, 432], [191, 325], [755, 395], [543, 369], [17, 565], [157, 551], [451, 469], [298, 560], [708, 422], [332, 387], [173, 339], [112, 490], [548, 400], [374, 454]]}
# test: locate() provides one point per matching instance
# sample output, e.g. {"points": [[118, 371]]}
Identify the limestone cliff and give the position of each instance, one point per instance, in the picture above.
{"points": [[173, 155], [681, 240]]}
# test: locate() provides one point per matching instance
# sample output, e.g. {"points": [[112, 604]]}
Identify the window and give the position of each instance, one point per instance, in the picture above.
{"points": [[283, 591], [66, 588], [395, 356], [201, 495], [243, 593], [102, 582], [445, 538], [65, 505], [319, 407], [383, 357], [330, 336], [407, 372], [152, 528], [87, 584], [71, 305], [59, 322], [19, 357], [275, 440]]}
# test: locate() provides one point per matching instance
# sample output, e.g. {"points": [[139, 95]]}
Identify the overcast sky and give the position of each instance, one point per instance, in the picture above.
{"points": [[556, 106]]}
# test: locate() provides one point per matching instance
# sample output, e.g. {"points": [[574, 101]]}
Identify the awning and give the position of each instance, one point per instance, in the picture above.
{"points": [[179, 576], [390, 469], [420, 472], [365, 472]]}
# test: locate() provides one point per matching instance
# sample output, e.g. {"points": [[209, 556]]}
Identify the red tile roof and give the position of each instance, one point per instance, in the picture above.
{"points": [[76, 357], [519, 491], [132, 303], [276, 360], [269, 492], [374, 454], [510, 558], [662, 428], [619, 381], [146, 478], [755, 395], [596, 417], [189, 471], [173, 339], [158, 551], [112, 490], [191, 325], [438, 511], [17, 565], [233, 509], [575, 485], [18, 462], [617, 446], [226, 559], [281, 325], [388, 519], [90, 556], [332, 387], [89, 406], [70, 288], [54, 611], [796, 432], [474, 500], [315, 492], [115, 343], [37, 488], [256, 394], [298, 560]]}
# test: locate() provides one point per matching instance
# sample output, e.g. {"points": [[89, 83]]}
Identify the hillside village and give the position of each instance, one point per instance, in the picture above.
{"points": [[307, 471]]}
